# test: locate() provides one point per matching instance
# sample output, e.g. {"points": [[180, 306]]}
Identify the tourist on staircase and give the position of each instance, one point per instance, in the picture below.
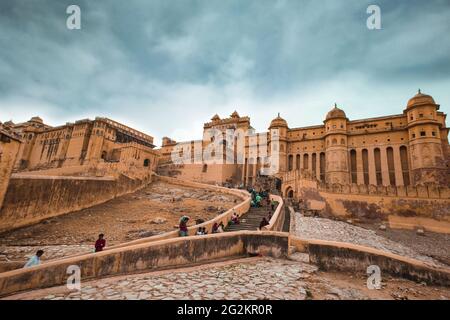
{"points": [[263, 223], [183, 226], [234, 218], [218, 228], [272, 205]]}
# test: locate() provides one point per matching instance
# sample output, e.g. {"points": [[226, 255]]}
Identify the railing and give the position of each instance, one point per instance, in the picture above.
{"points": [[277, 220], [225, 217]]}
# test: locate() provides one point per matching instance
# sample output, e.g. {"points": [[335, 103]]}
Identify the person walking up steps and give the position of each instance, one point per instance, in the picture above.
{"points": [[183, 226]]}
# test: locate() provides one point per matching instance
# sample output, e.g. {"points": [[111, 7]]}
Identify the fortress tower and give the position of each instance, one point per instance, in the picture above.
{"points": [[336, 146], [424, 129], [279, 129]]}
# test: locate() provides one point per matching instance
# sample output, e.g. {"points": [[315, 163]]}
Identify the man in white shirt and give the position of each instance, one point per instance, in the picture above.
{"points": [[34, 260]]}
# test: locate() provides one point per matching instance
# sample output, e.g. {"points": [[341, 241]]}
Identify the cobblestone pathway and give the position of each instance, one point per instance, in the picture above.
{"points": [[257, 279], [244, 279]]}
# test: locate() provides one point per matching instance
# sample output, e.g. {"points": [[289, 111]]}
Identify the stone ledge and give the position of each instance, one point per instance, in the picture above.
{"points": [[169, 253], [331, 255]]}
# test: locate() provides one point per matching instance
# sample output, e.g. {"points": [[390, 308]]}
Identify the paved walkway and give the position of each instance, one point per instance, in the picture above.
{"points": [[243, 279]]}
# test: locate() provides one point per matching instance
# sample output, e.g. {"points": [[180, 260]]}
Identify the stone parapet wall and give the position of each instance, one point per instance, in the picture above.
{"points": [[420, 191], [32, 198], [99, 169], [239, 208], [164, 254], [409, 208], [188, 251], [347, 257], [277, 221], [296, 180]]}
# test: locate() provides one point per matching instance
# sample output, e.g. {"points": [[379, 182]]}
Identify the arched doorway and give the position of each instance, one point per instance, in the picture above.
{"points": [[289, 193]]}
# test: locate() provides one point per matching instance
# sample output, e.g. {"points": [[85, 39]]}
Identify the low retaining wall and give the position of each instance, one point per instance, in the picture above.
{"points": [[171, 253], [240, 209], [30, 198], [400, 211], [430, 214], [329, 255]]}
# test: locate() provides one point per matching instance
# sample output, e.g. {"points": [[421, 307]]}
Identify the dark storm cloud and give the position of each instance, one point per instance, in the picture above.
{"points": [[165, 67]]}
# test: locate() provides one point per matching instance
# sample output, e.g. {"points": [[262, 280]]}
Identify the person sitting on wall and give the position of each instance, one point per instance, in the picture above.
{"points": [[199, 232], [183, 226], [34, 260], [263, 223], [215, 228], [100, 243], [204, 231], [269, 217], [221, 227]]}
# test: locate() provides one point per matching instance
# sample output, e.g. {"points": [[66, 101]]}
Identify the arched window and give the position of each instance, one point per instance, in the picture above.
{"points": [[290, 162], [305, 161], [365, 159], [353, 166], [391, 166], [405, 165], [377, 155]]}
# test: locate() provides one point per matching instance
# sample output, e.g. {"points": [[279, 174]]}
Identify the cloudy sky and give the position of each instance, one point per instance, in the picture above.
{"points": [[167, 66]]}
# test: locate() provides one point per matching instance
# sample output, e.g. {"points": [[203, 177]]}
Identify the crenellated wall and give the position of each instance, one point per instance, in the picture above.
{"points": [[403, 207]]}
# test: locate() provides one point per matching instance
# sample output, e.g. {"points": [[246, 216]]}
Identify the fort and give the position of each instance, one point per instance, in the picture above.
{"points": [[397, 150], [358, 175]]}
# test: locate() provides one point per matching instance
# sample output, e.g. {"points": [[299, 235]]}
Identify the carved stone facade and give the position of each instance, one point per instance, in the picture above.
{"points": [[405, 149], [95, 147]]}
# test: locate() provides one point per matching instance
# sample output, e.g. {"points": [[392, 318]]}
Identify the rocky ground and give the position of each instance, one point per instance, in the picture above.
{"points": [[435, 245], [390, 241], [150, 211], [249, 278]]}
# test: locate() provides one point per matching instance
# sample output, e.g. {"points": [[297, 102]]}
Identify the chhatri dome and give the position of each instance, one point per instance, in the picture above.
{"points": [[36, 119], [215, 118], [235, 114], [278, 122], [336, 113], [420, 99]]}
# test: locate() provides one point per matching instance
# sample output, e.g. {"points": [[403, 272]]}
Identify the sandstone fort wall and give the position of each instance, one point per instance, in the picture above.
{"points": [[30, 199]]}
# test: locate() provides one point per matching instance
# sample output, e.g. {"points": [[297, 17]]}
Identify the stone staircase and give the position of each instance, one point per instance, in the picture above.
{"points": [[250, 220]]}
